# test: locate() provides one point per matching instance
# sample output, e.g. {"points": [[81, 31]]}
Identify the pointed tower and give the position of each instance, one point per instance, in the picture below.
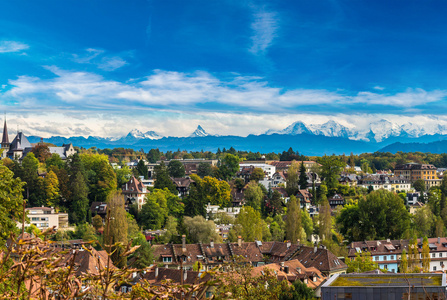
{"points": [[5, 140]]}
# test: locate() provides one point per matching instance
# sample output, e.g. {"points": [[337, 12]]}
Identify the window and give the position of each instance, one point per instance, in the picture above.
{"points": [[434, 268], [440, 254], [385, 266], [392, 257], [433, 255], [167, 259], [384, 258]]}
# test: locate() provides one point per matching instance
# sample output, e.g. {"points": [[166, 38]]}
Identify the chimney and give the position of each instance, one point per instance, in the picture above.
{"points": [[212, 243], [185, 275], [156, 272], [184, 243], [388, 240], [286, 269], [315, 247], [239, 241], [289, 244], [282, 264], [439, 240]]}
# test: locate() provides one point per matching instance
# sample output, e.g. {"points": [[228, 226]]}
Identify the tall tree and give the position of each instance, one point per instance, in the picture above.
{"points": [[162, 179], [325, 221], [302, 182], [11, 202], [331, 167], [101, 177], [142, 169], [30, 168], [419, 185], [51, 184], [361, 263], [79, 199], [116, 229], [293, 220], [176, 169], [204, 169], [249, 224], [425, 255], [154, 155], [404, 262], [253, 195], [413, 255], [292, 183]]}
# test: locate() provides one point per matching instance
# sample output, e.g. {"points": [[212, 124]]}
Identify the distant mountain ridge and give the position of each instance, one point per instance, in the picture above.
{"points": [[377, 131], [328, 138]]}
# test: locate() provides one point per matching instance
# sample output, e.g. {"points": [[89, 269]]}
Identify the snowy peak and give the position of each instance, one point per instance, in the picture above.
{"points": [[137, 134], [330, 128], [199, 132], [377, 131], [293, 129]]}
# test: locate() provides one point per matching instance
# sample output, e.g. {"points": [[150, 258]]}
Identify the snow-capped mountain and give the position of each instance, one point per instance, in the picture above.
{"points": [[199, 132], [137, 134], [330, 128], [293, 129], [376, 131]]}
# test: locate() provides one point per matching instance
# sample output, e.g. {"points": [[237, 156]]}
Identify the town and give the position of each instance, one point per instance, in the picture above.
{"points": [[174, 222]]}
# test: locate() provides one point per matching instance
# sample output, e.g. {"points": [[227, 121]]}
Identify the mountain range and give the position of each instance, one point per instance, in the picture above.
{"points": [[309, 139]]}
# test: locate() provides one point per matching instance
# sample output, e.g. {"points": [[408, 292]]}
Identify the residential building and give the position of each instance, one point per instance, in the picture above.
{"points": [[213, 210], [269, 170], [45, 218], [134, 192], [336, 201], [414, 171], [284, 165], [387, 253], [257, 253]]}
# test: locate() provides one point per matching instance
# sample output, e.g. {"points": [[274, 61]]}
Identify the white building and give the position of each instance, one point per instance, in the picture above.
{"points": [[269, 170], [46, 217]]}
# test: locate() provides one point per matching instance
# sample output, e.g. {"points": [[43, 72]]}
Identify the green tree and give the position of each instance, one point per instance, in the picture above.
{"points": [[201, 230], [30, 168], [302, 182], [293, 220], [330, 170], [379, 215], [142, 169], [143, 257], [325, 221], [361, 263], [292, 182], [97, 222], [299, 291], [101, 176], [253, 195], [204, 169], [155, 211], [54, 161], [419, 185], [154, 155], [176, 169], [78, 200], [424, 221], [228, 166], [123, 175], [249, 224], [116, 229], [162, 179], [413, 255], [257, 174], [11, 202]]}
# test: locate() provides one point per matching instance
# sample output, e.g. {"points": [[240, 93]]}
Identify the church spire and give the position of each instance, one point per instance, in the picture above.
{"points": [[5, 139]]}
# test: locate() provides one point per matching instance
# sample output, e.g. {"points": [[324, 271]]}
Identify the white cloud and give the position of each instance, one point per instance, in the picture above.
{"points": [[97, 57], [378, 87], [196, 91], [264, 26], [12, 46]]}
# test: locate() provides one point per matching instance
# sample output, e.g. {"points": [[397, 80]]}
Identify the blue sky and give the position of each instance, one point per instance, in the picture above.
{"points": [[235, 67]]}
